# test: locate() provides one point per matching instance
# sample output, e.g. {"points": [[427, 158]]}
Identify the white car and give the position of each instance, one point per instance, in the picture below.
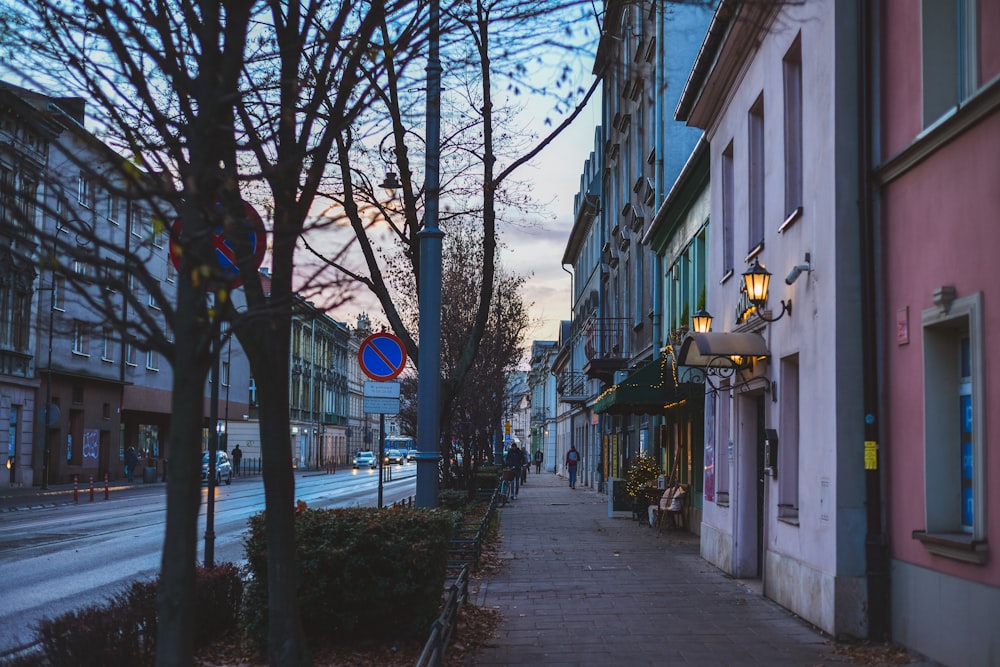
{"points": [[365, 460]]}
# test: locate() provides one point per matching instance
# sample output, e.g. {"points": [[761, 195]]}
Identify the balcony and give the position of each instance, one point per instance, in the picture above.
{"points": [[605, 342], [572, 386]]}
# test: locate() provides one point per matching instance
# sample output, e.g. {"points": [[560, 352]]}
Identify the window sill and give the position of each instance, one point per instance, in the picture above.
{"points": [[790, 520], [790, 220], [959, 546]]}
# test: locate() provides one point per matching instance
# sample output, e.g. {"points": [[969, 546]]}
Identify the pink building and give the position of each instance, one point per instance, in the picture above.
{"points": [[939, 196]]}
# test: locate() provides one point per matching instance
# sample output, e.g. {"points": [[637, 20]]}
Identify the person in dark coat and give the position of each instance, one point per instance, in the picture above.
{"points": [[515, 460], [131, 461]]}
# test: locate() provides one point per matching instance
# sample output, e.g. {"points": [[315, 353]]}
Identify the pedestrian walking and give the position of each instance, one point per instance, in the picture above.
{"points": [[237, 456], [572, 460], [514, 461], [131, 461], [538, 460]]}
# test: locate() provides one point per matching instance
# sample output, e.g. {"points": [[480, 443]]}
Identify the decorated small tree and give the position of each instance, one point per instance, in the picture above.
{"points": [[640, 472]]}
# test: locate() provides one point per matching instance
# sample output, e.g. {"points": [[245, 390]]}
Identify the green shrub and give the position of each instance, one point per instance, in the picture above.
{"points": [[453, 499], [123, 630], [487, 477], [364, 573]]}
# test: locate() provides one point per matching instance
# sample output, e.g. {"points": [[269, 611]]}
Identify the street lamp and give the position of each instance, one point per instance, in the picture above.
{"points": [[756, 281], [429, 288]]}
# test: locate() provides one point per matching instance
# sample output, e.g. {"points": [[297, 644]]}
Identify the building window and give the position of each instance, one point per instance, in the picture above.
{"points": [[152, 359], [58, 293], [130, 354], [788, 440], [136, 216], [107, 344], [949, 65], [80, 337], [15, 312], [792, 76], [755, 177], [113, 208], [224, 373], [728, 210], [954, 428], [85, 193]]}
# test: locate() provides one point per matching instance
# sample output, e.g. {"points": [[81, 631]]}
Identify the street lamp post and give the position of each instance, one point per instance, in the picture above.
{"points": [[429, 288]]}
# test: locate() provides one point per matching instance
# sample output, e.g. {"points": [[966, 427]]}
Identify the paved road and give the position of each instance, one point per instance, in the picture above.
{"points": [[579, 588], [57, 555]]}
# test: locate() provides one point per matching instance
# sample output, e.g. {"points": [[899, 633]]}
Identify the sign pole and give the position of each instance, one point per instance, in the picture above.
{"points": [[381, 456]]}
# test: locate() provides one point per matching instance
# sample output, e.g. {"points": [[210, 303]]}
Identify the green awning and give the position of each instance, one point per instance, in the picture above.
{"points": [[649, 390]]}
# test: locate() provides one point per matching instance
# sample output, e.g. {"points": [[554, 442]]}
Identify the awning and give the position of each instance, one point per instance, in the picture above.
{"points": [[721, 349], [649, 390]]}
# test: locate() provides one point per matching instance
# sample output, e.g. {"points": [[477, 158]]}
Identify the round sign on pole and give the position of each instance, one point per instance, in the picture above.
{"points": [[382, 356], [224, 251]]}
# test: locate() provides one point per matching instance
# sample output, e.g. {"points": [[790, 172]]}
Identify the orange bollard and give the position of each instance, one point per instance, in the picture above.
{"points": [[106, 489], [91, 488], [76, 489]]}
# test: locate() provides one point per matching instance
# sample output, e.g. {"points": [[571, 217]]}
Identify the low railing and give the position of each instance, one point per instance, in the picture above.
{"points": [[443, 628]]}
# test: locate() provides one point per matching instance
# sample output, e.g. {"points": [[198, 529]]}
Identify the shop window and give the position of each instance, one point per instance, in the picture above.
{"points": [[724, 445], [954, 428]]}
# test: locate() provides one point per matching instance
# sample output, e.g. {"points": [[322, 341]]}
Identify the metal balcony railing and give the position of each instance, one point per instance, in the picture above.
{"points": [[605, 338], [572, 385]]}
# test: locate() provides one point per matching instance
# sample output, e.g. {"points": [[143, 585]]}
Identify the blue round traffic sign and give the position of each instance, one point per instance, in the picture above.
{"points": [[382, 356]]}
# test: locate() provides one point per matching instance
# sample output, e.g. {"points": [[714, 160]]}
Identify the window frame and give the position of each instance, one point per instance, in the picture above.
{"points": [[755, 175], [728, 167], [941, 327]]}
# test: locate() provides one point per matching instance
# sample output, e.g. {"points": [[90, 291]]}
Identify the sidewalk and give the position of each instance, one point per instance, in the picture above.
{"points": [[20, 498], [580, 588]]}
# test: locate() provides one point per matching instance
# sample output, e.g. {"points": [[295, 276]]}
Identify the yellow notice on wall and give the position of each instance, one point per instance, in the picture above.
{"points": [[871, 455]]}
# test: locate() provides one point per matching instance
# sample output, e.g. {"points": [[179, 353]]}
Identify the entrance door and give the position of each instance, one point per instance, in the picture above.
{"points": [[748, 496], [760, 485]]}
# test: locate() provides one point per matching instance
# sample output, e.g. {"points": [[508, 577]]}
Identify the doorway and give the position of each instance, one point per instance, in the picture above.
{"points": [[748, 548]]}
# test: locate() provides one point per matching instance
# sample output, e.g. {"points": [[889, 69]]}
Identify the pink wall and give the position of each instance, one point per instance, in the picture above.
{"points": [[940, 222]]}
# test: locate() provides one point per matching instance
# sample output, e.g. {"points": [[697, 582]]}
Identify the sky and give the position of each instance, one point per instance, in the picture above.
{"points": [[535, 249]]}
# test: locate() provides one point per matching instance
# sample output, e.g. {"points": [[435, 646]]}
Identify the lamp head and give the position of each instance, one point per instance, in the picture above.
{"points": [[756, 280], [701, 322], [391, 183]]}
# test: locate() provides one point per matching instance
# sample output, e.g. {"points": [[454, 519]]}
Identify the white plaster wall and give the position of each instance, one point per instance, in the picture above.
{"points": [[717, 547], [822, 328]]}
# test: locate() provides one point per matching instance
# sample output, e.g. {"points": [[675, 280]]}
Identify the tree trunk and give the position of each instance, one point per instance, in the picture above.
{"points": [[267, 349], [176, 593]]}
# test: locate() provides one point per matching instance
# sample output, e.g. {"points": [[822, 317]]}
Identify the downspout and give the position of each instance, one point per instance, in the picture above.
{"points": [[876, 542], [572, 363]]}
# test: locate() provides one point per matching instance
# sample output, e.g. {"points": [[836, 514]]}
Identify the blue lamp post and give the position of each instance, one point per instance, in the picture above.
{"points": [[429, 285]]}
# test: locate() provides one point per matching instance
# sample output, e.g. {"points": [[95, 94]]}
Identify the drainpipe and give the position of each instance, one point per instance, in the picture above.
{"points": [[876, 542], [572, 364]]}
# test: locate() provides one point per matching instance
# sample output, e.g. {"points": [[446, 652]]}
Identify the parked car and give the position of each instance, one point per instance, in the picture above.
{"points": [[365, 460], [394, 456], [223, 468]]}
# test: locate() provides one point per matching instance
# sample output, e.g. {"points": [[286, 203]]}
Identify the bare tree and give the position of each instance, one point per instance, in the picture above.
{"points": [[217, 102], [478, 405], [489, 45]]}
